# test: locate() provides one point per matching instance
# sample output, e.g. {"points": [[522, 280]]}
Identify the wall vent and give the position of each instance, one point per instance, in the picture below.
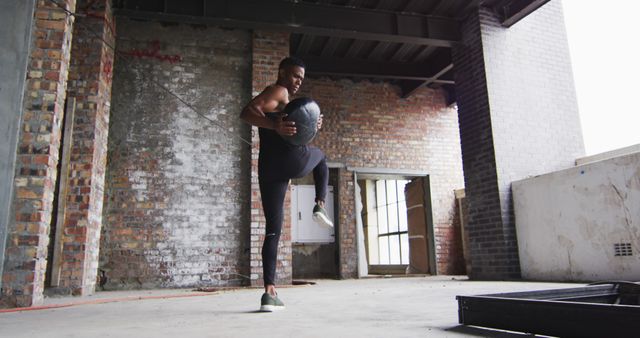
{"points": [[622, 249]]}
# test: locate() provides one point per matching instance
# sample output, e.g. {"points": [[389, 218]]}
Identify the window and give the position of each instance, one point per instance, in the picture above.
{"points": [[387, 223]]}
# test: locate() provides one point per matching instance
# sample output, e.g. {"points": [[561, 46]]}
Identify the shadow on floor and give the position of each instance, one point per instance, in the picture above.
{"points": [[474, 331]]}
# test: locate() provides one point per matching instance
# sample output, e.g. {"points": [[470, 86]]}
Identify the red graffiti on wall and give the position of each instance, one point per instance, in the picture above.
{"points": [[107, 69], [153, 52]]}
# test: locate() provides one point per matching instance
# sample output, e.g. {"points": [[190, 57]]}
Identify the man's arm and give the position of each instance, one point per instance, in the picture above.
{"points": [[268, 101]]}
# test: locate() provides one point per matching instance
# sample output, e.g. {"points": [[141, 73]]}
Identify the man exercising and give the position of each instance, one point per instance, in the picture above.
{"points": [[279, 162]]}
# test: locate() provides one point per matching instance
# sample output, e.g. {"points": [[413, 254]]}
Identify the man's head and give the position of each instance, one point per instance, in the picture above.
{"points": [[291, 74]]}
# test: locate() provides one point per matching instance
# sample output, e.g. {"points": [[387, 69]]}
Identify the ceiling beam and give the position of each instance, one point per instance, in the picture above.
{"points": [[378, 51], [410, 87], [318, 66], [439, 64], [412, 6], [450, 90], [330, 47], [424, 53], [304, 45], [353, 3], [309, 18], [471, 5], [426, 72], [354, 49], [512, 11], [401, 53]]}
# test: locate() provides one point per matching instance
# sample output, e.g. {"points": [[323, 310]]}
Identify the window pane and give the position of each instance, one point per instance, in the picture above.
{"points": [[402, 215], [401, 184], [392, 196], [383, 226], [393, 216], [404, 248], [394, 249], [384, 249], [372, 236], [381, 195]]}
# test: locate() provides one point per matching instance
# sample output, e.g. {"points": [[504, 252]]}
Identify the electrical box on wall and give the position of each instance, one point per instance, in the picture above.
{"points": [[303, 228]]}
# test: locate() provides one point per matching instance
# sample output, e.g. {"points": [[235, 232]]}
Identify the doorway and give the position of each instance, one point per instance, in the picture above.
{"points": [[397, 225], [315, 250]]}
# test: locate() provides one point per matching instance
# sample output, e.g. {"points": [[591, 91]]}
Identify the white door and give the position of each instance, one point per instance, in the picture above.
{"points": [[303, 227]]}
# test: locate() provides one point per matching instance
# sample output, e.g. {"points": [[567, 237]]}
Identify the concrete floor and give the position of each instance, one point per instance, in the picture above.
{"points": [[380, 307]]}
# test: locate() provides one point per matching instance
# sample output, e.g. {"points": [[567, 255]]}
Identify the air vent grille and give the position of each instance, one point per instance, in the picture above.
{"points": [[622, 249]]}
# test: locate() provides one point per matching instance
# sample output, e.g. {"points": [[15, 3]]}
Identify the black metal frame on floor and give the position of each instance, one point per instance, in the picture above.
{"points": [[605, 309]]}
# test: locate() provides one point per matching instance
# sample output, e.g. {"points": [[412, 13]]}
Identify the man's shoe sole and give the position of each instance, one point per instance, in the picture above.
{"points": [[271, 308], [319, 217]]}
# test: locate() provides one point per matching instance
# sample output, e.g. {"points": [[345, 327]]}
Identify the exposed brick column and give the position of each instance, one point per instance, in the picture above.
{"points": [[90, 78], [347, 232], [37, 158], [269, 48], [518, 117]]}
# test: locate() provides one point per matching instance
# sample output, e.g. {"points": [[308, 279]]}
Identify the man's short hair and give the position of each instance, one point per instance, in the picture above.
{"points": [[291, 61]]}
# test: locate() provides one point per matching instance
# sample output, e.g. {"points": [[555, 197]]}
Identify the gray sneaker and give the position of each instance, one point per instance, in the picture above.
{"points": [[269, 303], [321, 217]]}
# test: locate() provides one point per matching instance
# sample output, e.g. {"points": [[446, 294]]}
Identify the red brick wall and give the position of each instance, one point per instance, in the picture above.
{"points": [[346, 228], [269, 48], [90, 78], [38, 153], [368, 125]]}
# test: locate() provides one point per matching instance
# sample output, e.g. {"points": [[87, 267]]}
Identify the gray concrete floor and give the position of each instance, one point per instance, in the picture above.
{"points": [[380, 307]]}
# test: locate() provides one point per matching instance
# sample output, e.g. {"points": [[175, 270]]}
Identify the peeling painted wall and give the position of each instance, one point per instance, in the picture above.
{"points": [[579, 224], [13, 67], [178, 186]]}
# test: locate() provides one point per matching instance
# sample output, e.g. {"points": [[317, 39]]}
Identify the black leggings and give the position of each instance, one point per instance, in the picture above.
{"points": [[274, 182]]}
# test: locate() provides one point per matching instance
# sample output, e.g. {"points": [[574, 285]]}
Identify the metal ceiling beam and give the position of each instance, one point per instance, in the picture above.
{"points": [[363, 68], [424, 53], [354, 49], [330, 47], [424, 72], [409, 87], [378, 51], [437, 6], [402, 52], [412, 6], [304, 45], [512, 11], [439, 64], [353, 3], [309, 18]]}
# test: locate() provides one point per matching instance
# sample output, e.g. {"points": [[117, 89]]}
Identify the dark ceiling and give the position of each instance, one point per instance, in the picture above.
{"points": [[404, 42]]}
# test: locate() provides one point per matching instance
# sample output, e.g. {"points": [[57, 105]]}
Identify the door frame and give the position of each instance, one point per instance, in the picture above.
{"points": [[360, 173]]}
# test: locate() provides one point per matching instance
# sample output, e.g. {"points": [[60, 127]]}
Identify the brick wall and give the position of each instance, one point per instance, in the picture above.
{"points": [[518, 118], [346, 232], [177, 194], [38, 152], [269, 48], [90, 78], [369, 125], [532, 91], [476, 138]]}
